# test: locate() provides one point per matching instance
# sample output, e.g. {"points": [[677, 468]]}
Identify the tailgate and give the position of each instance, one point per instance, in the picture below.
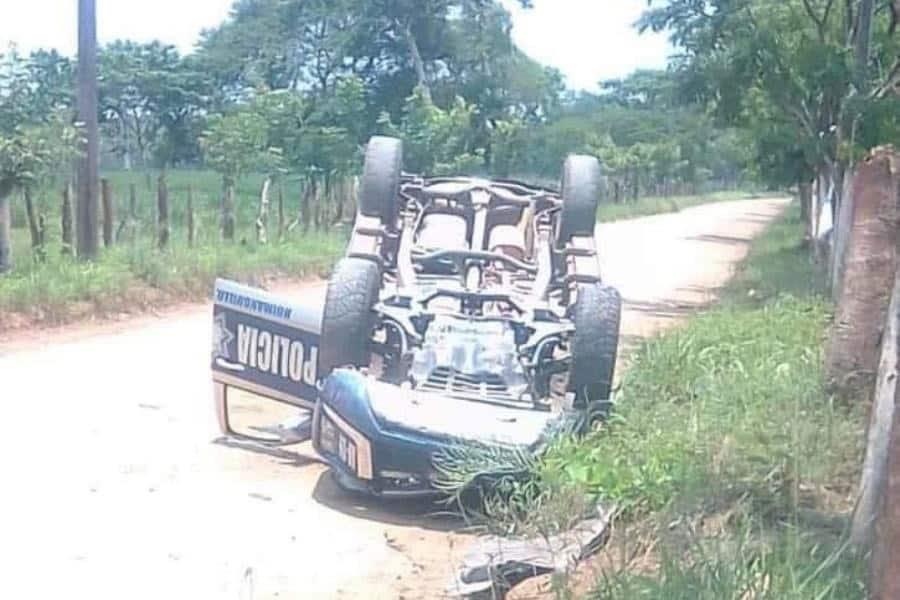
{"points": [[265, 344]]}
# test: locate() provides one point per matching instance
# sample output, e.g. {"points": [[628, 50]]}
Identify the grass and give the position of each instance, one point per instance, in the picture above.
{"points": [[133, 275], [654, 205], [732, 470], [727, 454]]}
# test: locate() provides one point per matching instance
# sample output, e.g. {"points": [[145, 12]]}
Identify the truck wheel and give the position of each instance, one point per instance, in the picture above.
{"points": [[582, 182], [348, 319], [597, 315], [379, 188]]}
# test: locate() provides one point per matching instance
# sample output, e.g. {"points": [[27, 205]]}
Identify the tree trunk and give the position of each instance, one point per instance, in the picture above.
{"points": [[262, 218], [304, 204], [354, 191], [67, 245], [228, 210], [340, 196], [864, 43], [129, 220], [881, 421], [5, 227], [280, 211], [190, 217], [818, 209], [417, 61], [870, 261], [162, 207], [36, 227], [109, 211], [805, 190], [840, 238], [132, 201]]}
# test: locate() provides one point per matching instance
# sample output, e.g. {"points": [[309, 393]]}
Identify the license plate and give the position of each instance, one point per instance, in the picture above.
{"points": [[333, 440]]}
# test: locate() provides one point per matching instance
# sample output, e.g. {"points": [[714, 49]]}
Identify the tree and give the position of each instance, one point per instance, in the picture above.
{"points": [[235, 144], [789, 66], [150, 98], [33, 143], [436, 141], [448, 48]]}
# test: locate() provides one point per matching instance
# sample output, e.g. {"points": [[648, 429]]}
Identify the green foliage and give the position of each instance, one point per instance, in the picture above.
{"points": [[151, 102], [436, 141], [29, 153], [734, 397], [787, 565], [647, 139], [328, 138], [36, 135], [788, 72], [238, 142]]}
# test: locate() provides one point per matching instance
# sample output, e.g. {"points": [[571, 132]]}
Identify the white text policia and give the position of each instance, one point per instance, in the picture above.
{"points": [[277, 354]]}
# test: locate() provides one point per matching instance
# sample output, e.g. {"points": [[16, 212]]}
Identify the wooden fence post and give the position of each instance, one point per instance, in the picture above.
{"points": [[317, 204], [877, 518], [67, 246], [35, 226], [162, 199], [5, 230], [109, 210], [262, 218], [228, 210], [280, 210], [354, 193], [132, 201], [874, 474], [308, 191], [190, 216]]}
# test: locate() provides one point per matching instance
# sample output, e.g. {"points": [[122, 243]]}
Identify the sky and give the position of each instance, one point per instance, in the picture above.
{"points": [[588, 40]]}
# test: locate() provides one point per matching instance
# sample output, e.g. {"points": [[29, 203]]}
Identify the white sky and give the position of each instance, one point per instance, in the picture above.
{"points": [[588, 40]]}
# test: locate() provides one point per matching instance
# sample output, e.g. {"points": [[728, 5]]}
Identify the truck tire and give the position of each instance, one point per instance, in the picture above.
{"points": [[348, 319], [597, 314], [581, 186], [379, 187]]}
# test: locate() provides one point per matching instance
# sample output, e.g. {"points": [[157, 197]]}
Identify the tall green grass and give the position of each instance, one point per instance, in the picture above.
{"points": [[732, 470], [726, 455]]}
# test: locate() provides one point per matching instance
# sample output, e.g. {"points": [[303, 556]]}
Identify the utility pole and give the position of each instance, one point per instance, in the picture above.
{"points": [[88, 162]]}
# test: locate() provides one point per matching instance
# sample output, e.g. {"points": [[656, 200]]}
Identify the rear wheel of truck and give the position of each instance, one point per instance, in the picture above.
{"points": [[581, 186], [348, 319], [379, 187], [597, 315]]}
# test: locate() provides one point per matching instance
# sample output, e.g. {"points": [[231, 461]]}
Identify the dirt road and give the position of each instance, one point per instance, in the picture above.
{"points": [[114, 485]]}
